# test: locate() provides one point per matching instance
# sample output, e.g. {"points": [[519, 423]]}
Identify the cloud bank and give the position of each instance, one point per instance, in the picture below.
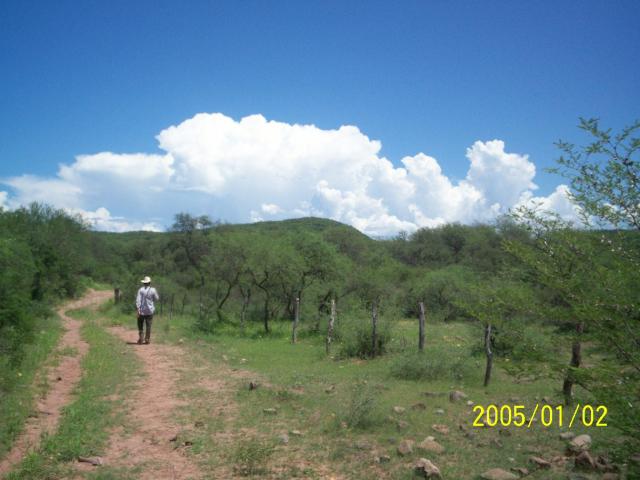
{"points": [[254, 169]]}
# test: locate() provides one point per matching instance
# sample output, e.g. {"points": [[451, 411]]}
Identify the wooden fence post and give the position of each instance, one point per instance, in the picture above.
{"points": [[421, 328], [116, 295], [296, 319], [374, 326], [332, 321], [488, 353]]}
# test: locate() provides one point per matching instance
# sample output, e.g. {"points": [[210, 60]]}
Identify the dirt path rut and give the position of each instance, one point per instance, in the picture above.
{"points": [[62, 379], [151, 416]]}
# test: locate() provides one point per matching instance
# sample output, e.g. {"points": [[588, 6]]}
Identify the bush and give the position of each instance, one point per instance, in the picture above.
{"points": [[360, 412], [521, 341], [356, 337], [432, 364]]}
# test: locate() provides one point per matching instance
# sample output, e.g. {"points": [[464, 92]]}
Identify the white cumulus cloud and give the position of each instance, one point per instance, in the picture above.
{"points": [[254, 169]]}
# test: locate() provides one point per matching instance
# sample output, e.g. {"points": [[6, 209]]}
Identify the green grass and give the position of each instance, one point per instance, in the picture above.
{"points": [[108, 371], [340, 403], [20, 387]]}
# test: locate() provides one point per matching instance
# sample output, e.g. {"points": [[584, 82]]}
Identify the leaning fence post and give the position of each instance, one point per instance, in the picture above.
{"points": [[332, 320], [421, 327], [296, 319]]}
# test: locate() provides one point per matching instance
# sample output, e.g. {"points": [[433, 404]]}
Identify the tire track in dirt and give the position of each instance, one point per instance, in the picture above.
{"points": [[62, 379], [152, 419]]}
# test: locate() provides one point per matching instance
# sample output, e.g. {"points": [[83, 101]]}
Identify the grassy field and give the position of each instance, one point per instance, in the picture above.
{"points": [[312, 414]]}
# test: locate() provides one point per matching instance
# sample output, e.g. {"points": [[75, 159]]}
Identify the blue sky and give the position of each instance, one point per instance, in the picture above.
{"points": [[81, 78]]}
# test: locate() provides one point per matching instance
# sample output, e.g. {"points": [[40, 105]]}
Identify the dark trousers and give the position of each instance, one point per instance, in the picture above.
{"points": [[142, 321]]}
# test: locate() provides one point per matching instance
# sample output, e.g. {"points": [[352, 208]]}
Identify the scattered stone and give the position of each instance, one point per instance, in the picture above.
{"points": [[405, 448], [514, 399], [418, 406], [505, 432], [284, 439], [430, 445], [296, 433], [225, 358], [456, 396], [253, 385], [330, 389], [567, 436], [363, 445], [470, 403], [496, 442], [498, 474], [635, 458], [95, 461], [402, 425], [546, 400], [580, 443], [522, 471], [559, 460], [382, 459], [443, 429], [426, 469], [540, 462], [439, 411], [398, 410], [432, 394], [512, 460], [270, 411], [199, 424], [174, 438], [585, 460], [243, 360], [59, 379], [610, 476]]}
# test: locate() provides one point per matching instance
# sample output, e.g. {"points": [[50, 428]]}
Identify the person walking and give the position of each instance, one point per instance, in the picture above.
{"points": [[146, 308]]}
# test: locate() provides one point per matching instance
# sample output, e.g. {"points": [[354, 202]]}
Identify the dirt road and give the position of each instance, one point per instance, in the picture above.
{"points": [[62, 379]]}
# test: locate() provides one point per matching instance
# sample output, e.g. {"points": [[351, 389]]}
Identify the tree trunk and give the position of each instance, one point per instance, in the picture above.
{"points": [[296, 319], [576, 361], [116, 296], [246, 298], [332, 320], [266, 314], [374, 329], [421, 327], [488, 352]]}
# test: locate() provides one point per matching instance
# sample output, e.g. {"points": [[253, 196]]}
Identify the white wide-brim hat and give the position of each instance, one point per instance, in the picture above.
{"points": [[145, 280]]}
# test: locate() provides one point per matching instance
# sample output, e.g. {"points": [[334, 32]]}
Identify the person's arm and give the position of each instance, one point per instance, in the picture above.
{"points": [[138, 301]]}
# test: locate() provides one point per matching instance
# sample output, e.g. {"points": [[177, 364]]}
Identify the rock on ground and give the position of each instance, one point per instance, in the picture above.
{"points": [[580, 443], [498, 474], [405, 448], [430, 445], [426, 469]]}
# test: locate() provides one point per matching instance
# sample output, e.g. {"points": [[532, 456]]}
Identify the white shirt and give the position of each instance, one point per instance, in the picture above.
{"points": [[145, 298]]}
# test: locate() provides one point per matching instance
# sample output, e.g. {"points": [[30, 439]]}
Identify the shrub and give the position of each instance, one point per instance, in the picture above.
{"points": [[432, 364], [356, 337], [361, 409]]}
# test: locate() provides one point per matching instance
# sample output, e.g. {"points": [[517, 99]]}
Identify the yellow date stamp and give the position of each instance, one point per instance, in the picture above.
{"points": [[547, 415]]}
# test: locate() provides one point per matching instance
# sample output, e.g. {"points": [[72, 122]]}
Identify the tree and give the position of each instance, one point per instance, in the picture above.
{"points": [[602, 296]]}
